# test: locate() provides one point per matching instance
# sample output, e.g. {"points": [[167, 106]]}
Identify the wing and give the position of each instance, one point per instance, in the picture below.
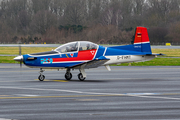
{"points": [[90, 64]]}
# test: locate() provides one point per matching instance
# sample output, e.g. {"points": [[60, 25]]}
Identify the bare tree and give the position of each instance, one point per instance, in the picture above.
{"points": [[173, 35], [105, 20], [74, 12], [38, 5], [42, 21]]}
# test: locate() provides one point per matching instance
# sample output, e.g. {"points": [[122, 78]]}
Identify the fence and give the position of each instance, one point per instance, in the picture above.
{"points": [[173, 43]]}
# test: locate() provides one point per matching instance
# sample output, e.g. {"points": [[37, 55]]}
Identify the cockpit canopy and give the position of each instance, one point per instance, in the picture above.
{"points": [[76, 46]]}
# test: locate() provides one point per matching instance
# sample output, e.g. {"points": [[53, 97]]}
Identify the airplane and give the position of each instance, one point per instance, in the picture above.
{"points": [[84, 55]]}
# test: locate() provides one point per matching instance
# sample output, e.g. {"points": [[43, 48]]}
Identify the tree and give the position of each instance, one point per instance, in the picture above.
{"points": [[112, 15], [174, 31], [110, 21], [6, 33], [75, 12], [39, 5], [157, 34], [159, 11], [41, 21], [23, 21]]}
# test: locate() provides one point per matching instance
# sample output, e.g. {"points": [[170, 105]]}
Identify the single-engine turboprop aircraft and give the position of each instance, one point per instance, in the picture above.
{"points": [[84, 55]]}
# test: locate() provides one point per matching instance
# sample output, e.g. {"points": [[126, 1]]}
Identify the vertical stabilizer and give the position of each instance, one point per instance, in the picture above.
{"points": [[141, 40]]}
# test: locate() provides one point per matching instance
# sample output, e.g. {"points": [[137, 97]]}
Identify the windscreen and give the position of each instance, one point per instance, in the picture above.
{"points": [[69, 47]]}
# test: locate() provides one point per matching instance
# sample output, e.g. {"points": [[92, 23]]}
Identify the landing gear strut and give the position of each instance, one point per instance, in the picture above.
{"points": [[41, 76], [68, 74], [82, 75]]}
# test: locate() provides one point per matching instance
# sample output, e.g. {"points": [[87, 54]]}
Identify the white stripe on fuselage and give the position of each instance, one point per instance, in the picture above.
{"points": [[105, 51], [96, 52], [72, 61], [127, 59]]}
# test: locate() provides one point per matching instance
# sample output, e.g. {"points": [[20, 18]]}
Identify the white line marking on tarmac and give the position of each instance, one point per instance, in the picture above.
{"points": [[6, 119], [157, 97], [143, 94], [26, 95], [94, 93]]}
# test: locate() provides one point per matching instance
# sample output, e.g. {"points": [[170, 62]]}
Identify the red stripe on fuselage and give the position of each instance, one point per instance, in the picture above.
{"points": [[82, 55]]}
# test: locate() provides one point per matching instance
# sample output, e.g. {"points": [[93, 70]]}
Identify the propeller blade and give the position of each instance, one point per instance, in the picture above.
{"points": [[20, 64], [20, 57], [20, 54], [19, 49]]}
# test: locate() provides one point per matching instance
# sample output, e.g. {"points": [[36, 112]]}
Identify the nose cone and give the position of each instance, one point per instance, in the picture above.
{"points": [[19, 58]]}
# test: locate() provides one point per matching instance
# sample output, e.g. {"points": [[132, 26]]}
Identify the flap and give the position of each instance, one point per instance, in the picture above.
{"points": [[91, 64]]}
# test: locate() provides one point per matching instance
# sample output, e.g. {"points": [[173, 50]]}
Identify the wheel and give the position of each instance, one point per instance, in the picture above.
{"points": [[68, 76], [41, 77], [81, 78]]}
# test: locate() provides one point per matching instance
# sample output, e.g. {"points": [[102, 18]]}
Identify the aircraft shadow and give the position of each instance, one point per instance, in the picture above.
{"points": [[73, 80], [87, 81]]}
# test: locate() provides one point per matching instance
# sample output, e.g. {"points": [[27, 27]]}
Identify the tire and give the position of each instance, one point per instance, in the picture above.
{"points": [[81, 78], [68, 76], [41, 77]]}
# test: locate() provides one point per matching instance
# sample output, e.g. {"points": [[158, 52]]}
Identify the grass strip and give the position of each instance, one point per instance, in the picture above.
{"points": [[29, 50], [154, 62], [168, 52], [7, 59], [24, 50]]}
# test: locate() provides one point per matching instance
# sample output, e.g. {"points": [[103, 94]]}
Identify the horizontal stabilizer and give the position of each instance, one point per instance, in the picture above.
{"points": [[158, 54]]}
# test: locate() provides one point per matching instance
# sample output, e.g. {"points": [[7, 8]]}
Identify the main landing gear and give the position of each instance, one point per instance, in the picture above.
{"points": [[81, 75], [41, 76]]}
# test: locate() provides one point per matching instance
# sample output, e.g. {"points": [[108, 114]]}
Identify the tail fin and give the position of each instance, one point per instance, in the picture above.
{"points": [[141, 40]]}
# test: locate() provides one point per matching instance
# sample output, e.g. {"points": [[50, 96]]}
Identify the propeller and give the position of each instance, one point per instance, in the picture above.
{"points": [[20, 55]]}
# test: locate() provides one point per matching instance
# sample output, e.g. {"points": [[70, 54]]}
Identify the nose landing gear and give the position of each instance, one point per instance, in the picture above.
{"points": [[41, 76]]}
